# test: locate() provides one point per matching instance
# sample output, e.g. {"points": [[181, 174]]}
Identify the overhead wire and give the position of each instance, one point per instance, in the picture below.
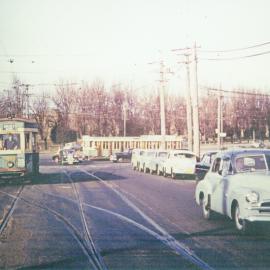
{"points": [[237, 49], [236, 57]]}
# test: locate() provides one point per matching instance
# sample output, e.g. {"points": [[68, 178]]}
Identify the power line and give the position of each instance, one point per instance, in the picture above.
{"points": [[234, 91], [236, 57], [237, 49]]}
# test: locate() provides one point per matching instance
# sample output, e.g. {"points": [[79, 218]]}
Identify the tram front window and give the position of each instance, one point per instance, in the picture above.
{"points": [[9, 141]]}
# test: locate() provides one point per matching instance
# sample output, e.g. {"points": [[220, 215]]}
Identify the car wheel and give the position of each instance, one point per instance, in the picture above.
{"points": [[151, 171], [144, 169], [173, 175], [164, 172], [240, 224], [206, 210]]}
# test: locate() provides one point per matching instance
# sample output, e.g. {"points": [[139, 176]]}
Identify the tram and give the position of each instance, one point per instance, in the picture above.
{"points": [[106, 146], [18, 147]]}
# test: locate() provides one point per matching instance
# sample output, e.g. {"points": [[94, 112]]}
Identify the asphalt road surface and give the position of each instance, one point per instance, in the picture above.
{"points": [[100, 215]]}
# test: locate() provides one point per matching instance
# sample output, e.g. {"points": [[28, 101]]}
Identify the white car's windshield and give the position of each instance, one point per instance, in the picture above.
{"points": [[183, 155], [162, 154], [251, 163]]}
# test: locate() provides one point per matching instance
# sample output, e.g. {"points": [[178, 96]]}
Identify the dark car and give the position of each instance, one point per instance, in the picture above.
{"points": [[203, 166], [121, 156]]}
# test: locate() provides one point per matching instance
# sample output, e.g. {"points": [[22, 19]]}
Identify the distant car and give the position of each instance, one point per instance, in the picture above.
{"points": [[135, 158], [121, 156], [238, 186], [66, 156], [179, 162], [156, 163], [203, 166], [146, 159]]}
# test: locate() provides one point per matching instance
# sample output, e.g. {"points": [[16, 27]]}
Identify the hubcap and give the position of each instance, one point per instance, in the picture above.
{"points": [[238, 221]]}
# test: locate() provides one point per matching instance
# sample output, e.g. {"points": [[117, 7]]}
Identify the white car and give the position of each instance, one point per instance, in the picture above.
{"points": [[135, 158], [145, 159], [156, 163], [238, 186], [179, 162]]}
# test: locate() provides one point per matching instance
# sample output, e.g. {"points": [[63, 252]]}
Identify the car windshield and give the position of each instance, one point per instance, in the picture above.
{"points": [[162, 154], [184, 155], [251, 163]]}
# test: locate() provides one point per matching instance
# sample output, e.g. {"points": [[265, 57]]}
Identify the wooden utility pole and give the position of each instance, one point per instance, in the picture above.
{"points": [[125, 117], [162, 105], [220, 120], [188, 106], [196, 126]]}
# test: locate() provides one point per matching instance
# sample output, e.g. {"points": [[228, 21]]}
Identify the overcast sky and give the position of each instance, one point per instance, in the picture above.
{"points": [[115, 40]]}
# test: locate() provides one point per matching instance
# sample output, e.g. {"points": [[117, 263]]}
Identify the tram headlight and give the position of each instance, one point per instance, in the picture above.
{"points": [[10, 164]]}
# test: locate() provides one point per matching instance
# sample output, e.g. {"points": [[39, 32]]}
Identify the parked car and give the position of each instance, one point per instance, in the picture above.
{"points": [[179, 162], [203, 166], [238, 186], [135, 158], [121, 156], [156, 163], [67, 156], [145, 159]]}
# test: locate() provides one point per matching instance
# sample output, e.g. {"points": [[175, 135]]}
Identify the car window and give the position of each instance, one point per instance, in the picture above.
{"points": [[250, 163], [162, 154], [227, 166], [184, 155], [268, 161], [212, 156], [216, 165], [206, 159]]}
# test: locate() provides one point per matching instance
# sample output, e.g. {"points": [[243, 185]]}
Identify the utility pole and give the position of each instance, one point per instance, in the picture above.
{"points": [[27, 100], [188, 105], [162, 82], [125, 117], [220, 120], [162, 106], [196, 126]]}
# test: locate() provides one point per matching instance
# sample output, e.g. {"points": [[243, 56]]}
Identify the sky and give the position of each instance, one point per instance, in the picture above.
{"points": [[114, 41]]}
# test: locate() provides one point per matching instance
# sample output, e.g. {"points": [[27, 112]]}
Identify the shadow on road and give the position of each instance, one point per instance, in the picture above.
{"points": [[59, 178]]}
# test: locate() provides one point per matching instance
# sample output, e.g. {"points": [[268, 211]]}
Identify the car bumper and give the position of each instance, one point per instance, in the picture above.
{"points": [[12, 171], [258, 218], [257, 212], [184, 171]]}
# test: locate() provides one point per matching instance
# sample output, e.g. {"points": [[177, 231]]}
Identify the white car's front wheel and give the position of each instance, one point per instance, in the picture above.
{"points": [[240, 224], [206, 210], [173, 175]]}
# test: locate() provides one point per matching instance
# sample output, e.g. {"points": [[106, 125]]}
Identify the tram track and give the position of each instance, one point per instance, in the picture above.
{"points": [[89, 240], [11, 209], [162, 235], [71, 228]]}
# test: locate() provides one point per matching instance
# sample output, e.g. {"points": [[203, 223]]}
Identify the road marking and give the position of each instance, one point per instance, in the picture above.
{"points": [[168, 239]]}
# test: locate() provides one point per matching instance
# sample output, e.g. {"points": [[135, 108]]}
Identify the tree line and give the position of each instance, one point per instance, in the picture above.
{"points": [[92, 109]]}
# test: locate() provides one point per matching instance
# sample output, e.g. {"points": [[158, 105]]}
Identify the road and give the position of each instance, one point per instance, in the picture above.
{"points": [[100, 215]]}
